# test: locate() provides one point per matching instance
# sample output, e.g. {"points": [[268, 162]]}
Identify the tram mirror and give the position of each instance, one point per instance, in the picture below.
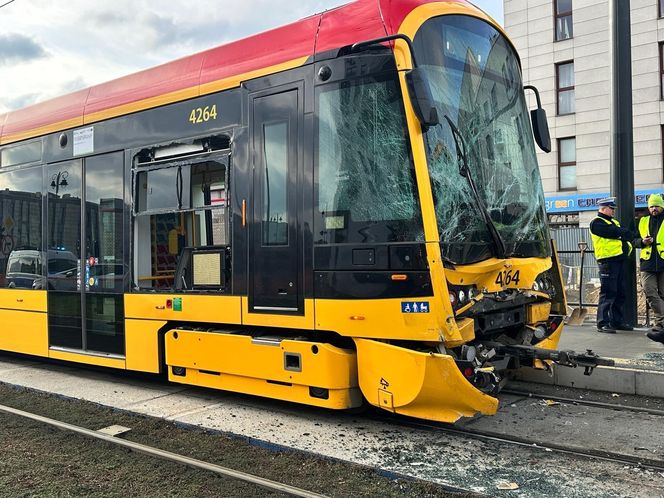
{"points": [[541, 129], [421, 98], [539, 123]]}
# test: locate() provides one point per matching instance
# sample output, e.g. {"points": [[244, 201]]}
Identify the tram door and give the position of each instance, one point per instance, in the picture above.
{"points": [[85, 254], [275, 253]]}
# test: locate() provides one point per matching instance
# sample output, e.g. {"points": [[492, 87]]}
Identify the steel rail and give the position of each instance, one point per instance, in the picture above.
{"points": [[572, 401], [532, 444], [167, 455]]}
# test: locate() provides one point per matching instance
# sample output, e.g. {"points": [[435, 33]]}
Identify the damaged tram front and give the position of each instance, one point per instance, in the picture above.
{"points": [[500, 268]]}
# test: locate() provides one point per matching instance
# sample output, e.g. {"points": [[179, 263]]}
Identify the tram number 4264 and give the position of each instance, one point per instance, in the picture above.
{"points": [[508, 277], [203, 114]]}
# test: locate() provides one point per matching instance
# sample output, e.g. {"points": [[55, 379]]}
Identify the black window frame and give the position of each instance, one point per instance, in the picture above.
{"points": [[562, 164], [661, 70], [560, 89], [221, 156], [559, 15]]}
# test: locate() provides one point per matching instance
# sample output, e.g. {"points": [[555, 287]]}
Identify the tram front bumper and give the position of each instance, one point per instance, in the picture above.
{"points": [[424, 385]]}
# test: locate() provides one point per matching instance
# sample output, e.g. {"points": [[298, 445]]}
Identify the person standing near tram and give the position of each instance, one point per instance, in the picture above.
{"points": [[612, 245], [651, 242]]}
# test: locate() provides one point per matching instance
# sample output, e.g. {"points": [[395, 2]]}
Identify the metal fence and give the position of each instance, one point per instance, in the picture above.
{"points": [[569, 255]]}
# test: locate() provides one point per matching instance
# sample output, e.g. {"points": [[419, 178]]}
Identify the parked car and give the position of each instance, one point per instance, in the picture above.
{"points": [[25, 269]]}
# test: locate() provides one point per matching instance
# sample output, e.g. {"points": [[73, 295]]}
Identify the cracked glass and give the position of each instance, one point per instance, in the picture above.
{"points": [[476, 85], [366, 189]]}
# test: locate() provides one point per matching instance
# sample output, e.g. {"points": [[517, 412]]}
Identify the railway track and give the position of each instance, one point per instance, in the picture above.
{"points": [[621, 458], [656, 464], [166, 455], [583, 402]]}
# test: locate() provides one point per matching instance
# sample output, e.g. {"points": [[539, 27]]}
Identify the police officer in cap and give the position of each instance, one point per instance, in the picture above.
{"points": [[612, 247]]}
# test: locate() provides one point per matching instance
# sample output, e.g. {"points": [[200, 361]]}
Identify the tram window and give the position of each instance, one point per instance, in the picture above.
{"points": [[275, 212], [365, 182], [64, 224], [181, 187], [21, 154], [20, 228], [166, 188], [163, 231], [208, 184], [104, 212], [169, 233]]}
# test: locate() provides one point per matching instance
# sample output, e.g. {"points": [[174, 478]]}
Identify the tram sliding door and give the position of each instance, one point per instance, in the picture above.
{"points": [[274, 241], [85, 281]]}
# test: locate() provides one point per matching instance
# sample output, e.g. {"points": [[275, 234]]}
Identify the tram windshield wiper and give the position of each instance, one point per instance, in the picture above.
{"points": [[465, 171]]}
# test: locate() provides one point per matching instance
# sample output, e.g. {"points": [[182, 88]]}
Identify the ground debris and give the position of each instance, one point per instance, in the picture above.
{"points": [[505, 485]]}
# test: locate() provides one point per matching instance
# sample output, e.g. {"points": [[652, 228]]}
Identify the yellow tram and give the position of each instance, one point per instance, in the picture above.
{"points": [[343, 209]]}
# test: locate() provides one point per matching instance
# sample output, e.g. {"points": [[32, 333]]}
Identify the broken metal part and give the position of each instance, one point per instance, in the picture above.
{"points": [[588, 360]]}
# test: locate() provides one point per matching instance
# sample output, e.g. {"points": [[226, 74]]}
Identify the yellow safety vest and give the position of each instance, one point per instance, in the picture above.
{"points": [[607, 248], [644, 231]]}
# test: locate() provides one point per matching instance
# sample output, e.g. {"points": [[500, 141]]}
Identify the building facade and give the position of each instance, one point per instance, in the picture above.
{"points": [[565, 49]]}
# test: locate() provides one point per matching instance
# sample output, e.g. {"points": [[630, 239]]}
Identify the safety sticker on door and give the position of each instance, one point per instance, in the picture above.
{"points": [[415, 307]]}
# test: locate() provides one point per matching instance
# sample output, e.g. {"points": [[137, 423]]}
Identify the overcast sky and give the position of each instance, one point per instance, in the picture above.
{"points": [[49, 48]]}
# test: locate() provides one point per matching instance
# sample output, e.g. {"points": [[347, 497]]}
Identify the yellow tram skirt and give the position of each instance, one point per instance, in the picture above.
{"points": [[422, 385], [292, 370]]}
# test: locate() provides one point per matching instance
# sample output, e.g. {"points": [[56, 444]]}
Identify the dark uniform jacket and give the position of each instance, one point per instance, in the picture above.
{"points": [[655, 263], [611, 231]]}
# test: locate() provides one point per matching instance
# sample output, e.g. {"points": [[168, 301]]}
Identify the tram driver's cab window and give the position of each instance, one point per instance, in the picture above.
{"points": [[178, 206]]}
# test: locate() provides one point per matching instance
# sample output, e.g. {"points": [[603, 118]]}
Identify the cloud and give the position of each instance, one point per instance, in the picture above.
{"points": [[22, 101], [106, 19], [15, 47], [72, 85]]}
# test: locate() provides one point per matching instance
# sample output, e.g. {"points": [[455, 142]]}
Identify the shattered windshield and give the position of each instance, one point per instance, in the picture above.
{"points": [[365, 179], [476, 84]]}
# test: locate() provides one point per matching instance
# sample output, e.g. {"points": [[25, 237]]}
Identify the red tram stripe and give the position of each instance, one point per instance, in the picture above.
{"points": [[213, 70]]}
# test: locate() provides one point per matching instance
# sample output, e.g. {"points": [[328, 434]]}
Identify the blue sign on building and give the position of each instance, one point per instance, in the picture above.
{"points": [[588, 202]]}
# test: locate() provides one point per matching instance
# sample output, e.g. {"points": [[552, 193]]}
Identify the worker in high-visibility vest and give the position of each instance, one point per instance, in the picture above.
{"points": [[612, 245], [651, 241]]}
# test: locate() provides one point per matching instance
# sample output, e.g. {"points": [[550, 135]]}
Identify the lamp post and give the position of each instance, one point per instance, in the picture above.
{"points": [[622, 153], [58, 180]]}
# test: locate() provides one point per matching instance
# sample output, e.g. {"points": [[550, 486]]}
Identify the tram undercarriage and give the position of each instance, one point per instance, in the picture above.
{"points": [[420, 380]]}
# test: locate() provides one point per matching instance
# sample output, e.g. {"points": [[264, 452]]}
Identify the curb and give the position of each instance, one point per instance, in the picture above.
{"points": [[608, 379]]}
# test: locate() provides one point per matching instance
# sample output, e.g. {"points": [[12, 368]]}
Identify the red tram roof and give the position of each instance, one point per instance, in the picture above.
{"points": [[212, 70]]}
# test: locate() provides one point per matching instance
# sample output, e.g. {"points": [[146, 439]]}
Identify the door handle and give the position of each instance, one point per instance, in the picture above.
{"points": [[19, 300], [160, 307], [244, 212]]}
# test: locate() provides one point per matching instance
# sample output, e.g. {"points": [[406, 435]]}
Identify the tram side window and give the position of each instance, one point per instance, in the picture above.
{"points": [[178, 206], [365, 178], [21, 256]]}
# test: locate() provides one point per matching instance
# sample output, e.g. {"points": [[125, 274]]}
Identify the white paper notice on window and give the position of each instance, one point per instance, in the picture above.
{"points": [[84, 141]]}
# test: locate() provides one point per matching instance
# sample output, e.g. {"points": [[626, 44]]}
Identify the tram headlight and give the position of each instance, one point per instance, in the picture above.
{"points": [[461, 295], [544, 283]]}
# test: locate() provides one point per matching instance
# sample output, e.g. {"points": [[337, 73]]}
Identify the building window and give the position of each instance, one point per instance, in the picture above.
{"points": [[567, 163], [563, 16], [565, 86], [661, 8], [661, 71]]}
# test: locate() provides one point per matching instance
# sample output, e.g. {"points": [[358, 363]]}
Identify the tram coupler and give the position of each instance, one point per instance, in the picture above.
{"points": [[588, 360]]}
